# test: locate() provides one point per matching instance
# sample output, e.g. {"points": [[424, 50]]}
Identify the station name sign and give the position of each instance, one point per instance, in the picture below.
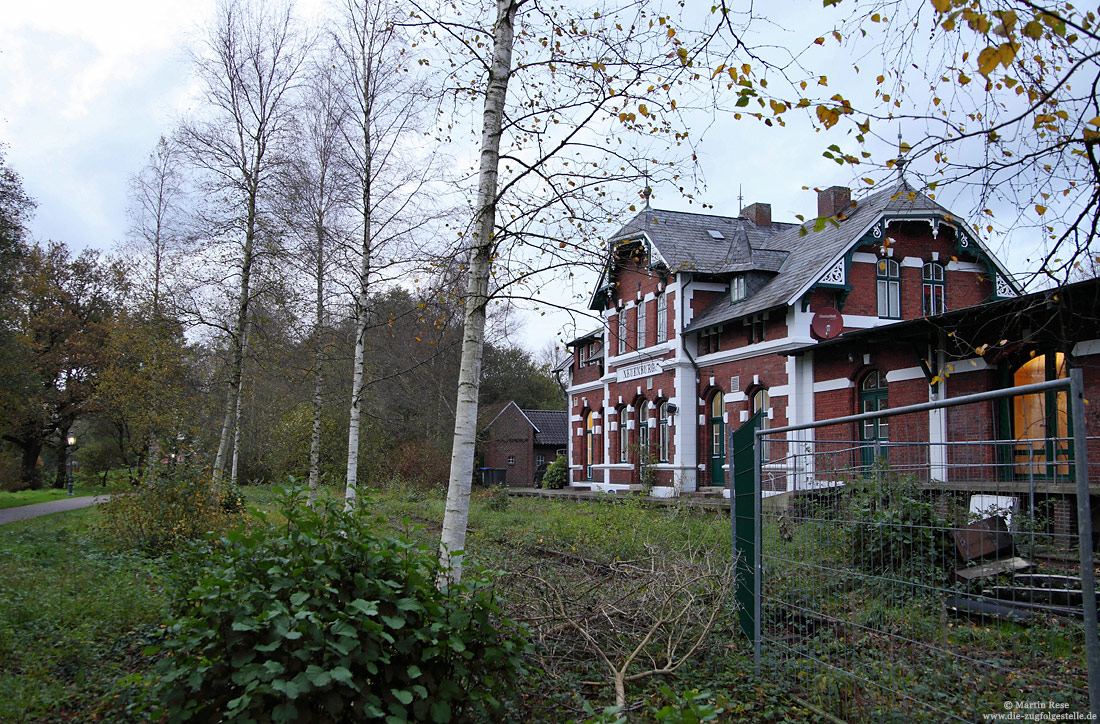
{"points": [[633, 372]]}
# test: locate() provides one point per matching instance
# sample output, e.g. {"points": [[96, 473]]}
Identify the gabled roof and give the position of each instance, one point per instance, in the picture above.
{"points": [[810, 254], [685, 243], [551, 426]]}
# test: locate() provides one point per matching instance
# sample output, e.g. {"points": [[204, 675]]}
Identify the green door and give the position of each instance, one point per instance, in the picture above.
{"points": [[745, 521], [717, 440], [873, 433]]}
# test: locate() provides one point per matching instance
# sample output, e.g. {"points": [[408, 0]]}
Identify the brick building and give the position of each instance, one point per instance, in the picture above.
{"points": [[708, 319], [524, 442]]}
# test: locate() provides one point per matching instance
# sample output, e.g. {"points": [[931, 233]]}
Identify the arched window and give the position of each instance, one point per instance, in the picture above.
{"points": [[589, 450], [873, 397], [624, 436], [717, 425], [934, 298], [662, 432], [1041, 422], [761, 401], [888, 284]]}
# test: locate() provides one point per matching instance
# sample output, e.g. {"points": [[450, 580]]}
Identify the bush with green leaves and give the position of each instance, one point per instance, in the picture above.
{"points": [[322, 618], [557, 475], [182, 503], [895, 532]]}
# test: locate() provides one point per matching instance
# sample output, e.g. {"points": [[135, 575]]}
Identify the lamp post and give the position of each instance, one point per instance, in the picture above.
{"points": [[71, 440]]}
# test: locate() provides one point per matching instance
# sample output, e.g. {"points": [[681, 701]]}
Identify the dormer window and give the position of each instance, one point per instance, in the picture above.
{"points": [[737, 288]]}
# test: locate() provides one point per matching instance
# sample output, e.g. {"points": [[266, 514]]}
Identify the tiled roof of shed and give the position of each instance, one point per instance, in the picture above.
{"points": [[552, 426]]}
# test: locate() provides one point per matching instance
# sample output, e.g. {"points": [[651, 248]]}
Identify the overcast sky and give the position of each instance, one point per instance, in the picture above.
{"points": [[88, 88]]}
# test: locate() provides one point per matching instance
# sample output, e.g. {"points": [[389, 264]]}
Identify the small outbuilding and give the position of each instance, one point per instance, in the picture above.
{"points": [[523, 443]]}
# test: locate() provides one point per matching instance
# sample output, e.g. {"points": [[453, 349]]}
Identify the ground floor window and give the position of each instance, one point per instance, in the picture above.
{"points": [[1041, 422], [662, 432], [511, 459], [874, 397], [540, 460]]}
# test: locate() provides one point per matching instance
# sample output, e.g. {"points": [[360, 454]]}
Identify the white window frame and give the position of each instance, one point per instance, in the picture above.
{"points": [[737, 288], [888, 288], [640, 331], [662, 318], [622, 331]]}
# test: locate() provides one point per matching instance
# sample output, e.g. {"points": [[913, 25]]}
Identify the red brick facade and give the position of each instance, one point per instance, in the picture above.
{"points": [[741, 328]]}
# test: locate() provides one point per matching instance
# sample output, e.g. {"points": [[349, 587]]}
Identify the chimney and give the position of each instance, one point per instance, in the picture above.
{"points": [[833, 200], [759, 214]]}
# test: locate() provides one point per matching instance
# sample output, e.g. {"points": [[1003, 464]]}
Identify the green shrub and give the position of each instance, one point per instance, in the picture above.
{"points": [[496, 497], [183, 503], [897, 534], [322, 619], [557, 475]]}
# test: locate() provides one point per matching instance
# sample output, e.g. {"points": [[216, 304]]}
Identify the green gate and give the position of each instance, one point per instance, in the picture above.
{"points": [[745, 514]]}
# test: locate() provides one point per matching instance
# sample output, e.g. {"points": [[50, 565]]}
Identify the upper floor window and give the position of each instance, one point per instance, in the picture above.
{"points": [[662, 318], [708, 340], [759, 327], [737, 288], [622, 331], [888, 284], [641, 325], [934, 298]]}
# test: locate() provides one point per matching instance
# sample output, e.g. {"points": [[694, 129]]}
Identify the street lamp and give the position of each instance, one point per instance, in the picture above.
{"points": [[71, 440]]}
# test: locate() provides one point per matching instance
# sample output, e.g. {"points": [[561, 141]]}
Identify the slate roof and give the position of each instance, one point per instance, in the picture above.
{"points": [[684, 241], [807, 256], [552, 426]]}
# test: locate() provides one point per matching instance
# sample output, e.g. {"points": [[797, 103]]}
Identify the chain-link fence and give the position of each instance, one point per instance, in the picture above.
{"points": [[925, 563]]}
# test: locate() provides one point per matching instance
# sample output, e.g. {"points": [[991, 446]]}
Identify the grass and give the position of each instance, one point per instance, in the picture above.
{"points": [[45, 495], [73, 620]]}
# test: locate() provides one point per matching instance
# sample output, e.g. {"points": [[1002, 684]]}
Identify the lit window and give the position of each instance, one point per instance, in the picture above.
{"points": [[888, 278], [737, 288], [934, 299], [641, 325], [622, 331], [662, 318]]}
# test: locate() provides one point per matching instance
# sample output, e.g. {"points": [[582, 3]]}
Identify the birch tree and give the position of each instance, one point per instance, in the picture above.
{"points": [[384, 99], [316, 193], [595, 106], [249, 71], [158, 241]]}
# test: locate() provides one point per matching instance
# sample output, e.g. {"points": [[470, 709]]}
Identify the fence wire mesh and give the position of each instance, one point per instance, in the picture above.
{"points": [[920, 567]]}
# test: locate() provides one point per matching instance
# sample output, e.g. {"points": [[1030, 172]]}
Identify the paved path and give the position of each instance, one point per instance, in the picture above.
{"points": [[10, 515]]}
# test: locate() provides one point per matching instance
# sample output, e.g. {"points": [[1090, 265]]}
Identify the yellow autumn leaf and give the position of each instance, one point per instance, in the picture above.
{"points": [[941, 6], [1040, 209], [988, 60]]}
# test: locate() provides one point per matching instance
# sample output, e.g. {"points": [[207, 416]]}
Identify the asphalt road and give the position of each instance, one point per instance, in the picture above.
{"points": [[10, 515]]}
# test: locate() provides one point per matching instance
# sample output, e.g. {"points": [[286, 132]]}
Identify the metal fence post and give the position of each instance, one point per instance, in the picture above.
{"points": [[1084, 536], [757, 587]]}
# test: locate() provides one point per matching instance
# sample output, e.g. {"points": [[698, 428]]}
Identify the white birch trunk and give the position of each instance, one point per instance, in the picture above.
{"points": [[350, 492], [453, 538]]}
